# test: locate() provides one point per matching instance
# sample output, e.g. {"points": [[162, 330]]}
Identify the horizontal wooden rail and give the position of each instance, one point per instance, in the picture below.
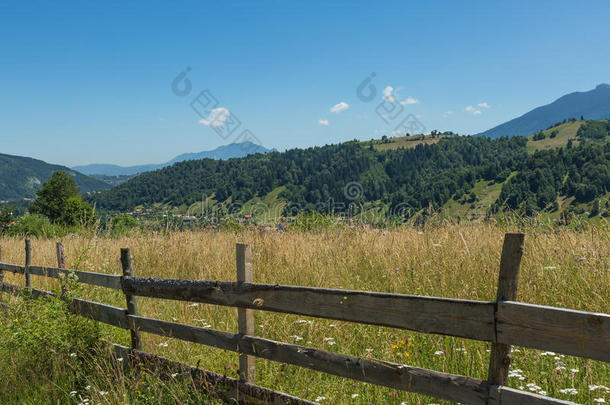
{"points": [[229, 389], [510, 396], [86, 277], [461, 318], [428, 382], [576, 333], [100, 312], [13, 268], [107, 314]]}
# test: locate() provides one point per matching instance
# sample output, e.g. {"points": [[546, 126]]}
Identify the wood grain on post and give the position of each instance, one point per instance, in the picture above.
{"points": [[28, 263], [499, 361], [1, 272], [132, 303], [61, 263], [245, 317]]}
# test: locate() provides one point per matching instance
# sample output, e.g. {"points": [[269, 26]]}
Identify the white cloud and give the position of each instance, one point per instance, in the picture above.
{"points": [[217, 117], [337, 108], [447, 114], [409, 100], [484, 105], [388, 94], [473, 110], [323, 122]]}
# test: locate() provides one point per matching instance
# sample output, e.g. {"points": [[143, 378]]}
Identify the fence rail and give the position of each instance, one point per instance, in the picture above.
{"points": [[503, 322]]}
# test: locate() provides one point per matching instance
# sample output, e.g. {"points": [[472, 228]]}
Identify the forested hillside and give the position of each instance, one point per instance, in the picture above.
{"points": [[428, 175], [21, 176]]}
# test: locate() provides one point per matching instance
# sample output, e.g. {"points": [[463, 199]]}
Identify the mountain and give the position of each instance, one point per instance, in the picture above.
{"points": [[20, 177], [234, 150], [593, 105]]}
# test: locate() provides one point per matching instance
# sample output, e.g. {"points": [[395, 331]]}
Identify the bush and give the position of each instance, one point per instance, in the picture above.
{"points": [[122, 224], [34, 225]]}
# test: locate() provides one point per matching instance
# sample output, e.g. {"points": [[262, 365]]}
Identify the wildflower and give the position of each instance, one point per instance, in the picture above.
{"points": [[120, 379], [392, 394], [120, 359], [542, 392], [194, 305], [102, 393], [574, 370], [439, 352], [297, 338], [582, 259], [88, 387], [163, 344], [332, 325], [547, 353], [73, 393], [72, 355], [437, 245], [354, 396], [174, 375], [571, 391], [320, 398], [599, 400]]}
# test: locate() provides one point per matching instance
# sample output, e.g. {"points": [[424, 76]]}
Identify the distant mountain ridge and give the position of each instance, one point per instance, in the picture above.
{"points": [[593, 105], [21, 177], [233, 150]]}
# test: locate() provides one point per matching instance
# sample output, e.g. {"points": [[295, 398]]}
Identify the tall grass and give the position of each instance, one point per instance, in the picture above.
{"points": [[561, 267]]}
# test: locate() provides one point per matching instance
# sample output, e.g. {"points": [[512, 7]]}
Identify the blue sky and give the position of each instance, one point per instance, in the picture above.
{"points": [[91, 82]]}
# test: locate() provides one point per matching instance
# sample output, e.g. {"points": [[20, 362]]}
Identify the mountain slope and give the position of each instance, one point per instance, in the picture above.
{"points": [[234, 150], [593, 104], [21, 176]]}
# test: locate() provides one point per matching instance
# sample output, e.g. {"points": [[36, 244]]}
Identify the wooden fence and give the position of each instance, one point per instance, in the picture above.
{"points": [[503, 322]]}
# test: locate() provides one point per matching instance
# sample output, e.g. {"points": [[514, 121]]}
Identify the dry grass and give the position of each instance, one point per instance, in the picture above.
{"points": [[564, 268]]}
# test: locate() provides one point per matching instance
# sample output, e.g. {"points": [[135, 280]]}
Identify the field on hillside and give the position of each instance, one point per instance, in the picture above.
{"points": [[561, 267]]}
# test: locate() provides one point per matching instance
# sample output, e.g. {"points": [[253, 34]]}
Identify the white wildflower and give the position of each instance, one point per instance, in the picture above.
{"points": [[163, 344], [599, 400], [73, 393], [120, 359], [354, 396], [439, 352], [320, 398], [571, 391], [72, 355]]}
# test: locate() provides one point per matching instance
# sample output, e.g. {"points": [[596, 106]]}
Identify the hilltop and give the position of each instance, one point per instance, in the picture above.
{"points": [[593, 104], [21, 177]]}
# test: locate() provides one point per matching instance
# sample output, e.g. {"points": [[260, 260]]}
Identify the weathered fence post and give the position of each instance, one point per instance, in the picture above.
{"points": [[1, 272], [132, 303], [245, 317], [61, 263], [499, 361], [28, 263]]}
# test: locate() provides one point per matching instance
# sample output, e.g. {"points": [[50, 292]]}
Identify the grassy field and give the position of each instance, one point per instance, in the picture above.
{"points": [[565, 132], [561, 267]]}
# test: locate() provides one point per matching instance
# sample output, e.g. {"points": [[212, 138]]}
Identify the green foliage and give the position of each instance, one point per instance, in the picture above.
{"points": [[33, 225], [122, 224], [538, 136], [308, 221], [594, 130], [59, 201], [41, 337], [7, 218]]}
